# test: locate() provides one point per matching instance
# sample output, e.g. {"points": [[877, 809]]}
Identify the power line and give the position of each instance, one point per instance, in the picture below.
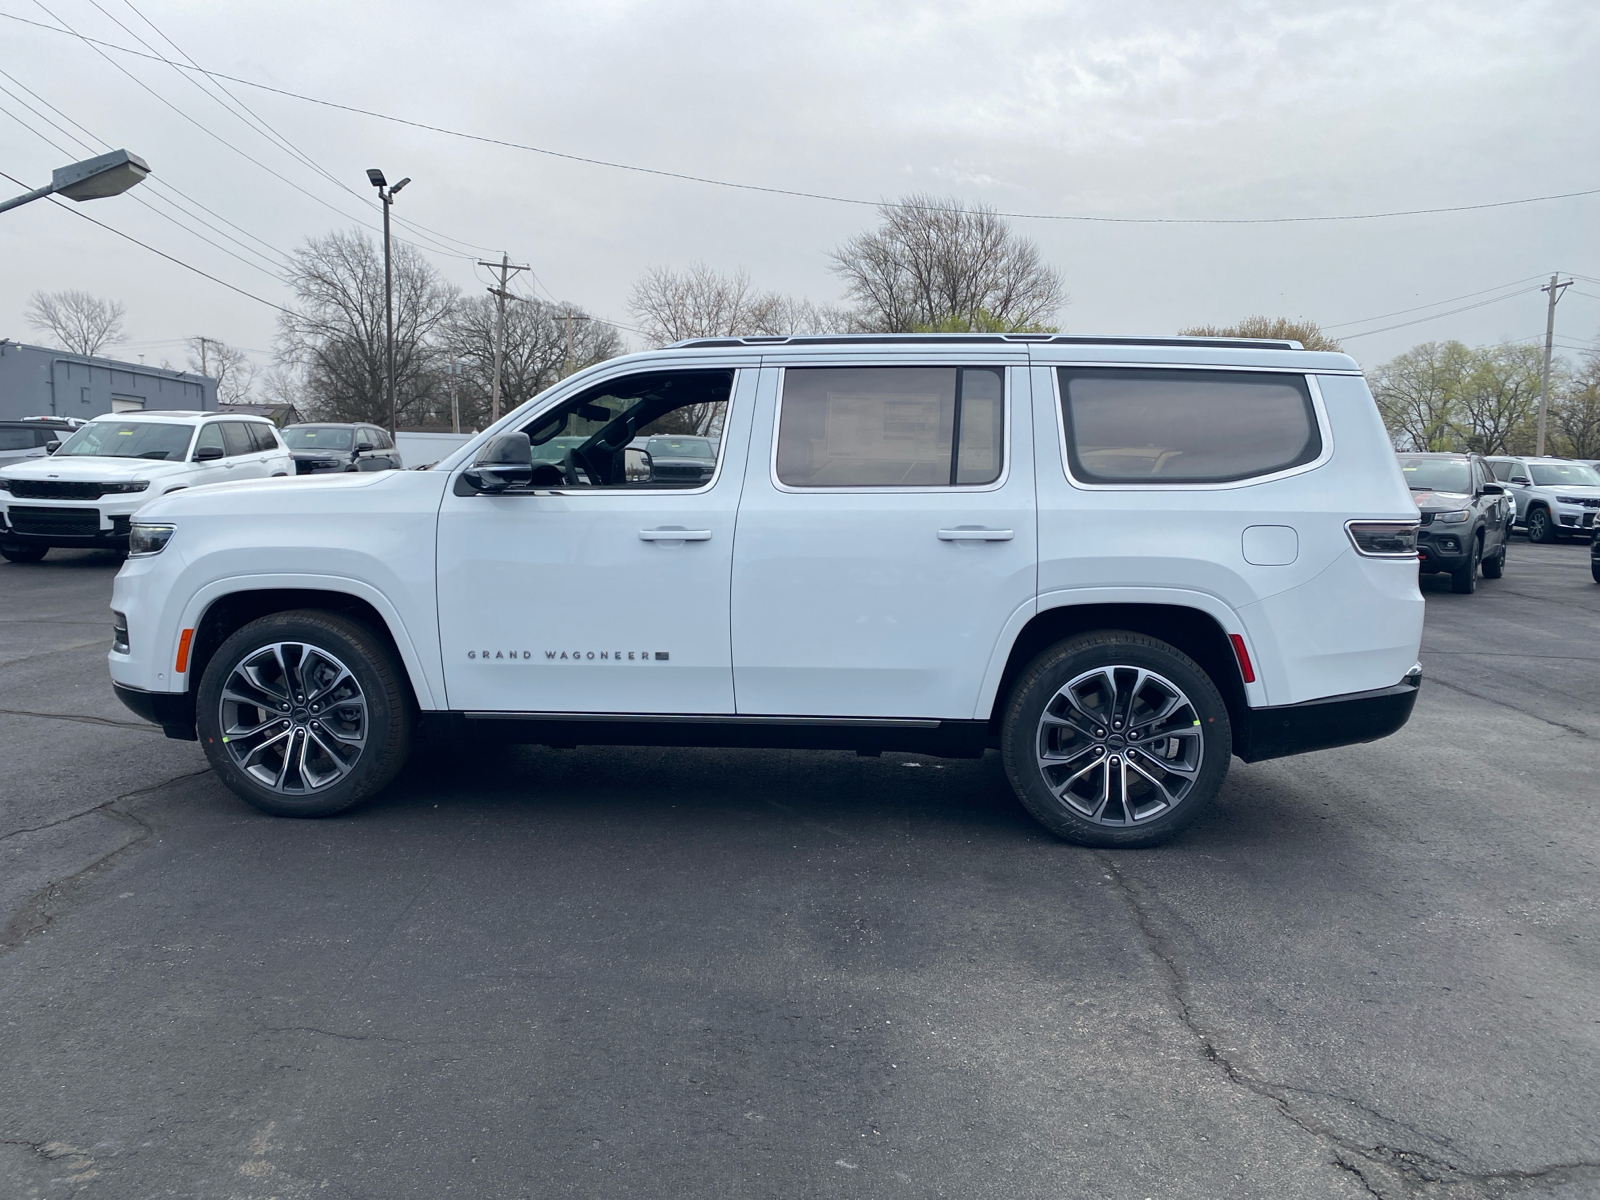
{"points": [[1435, 304], [129, 237], [1435, 316], [96, 44], [804, 195]]}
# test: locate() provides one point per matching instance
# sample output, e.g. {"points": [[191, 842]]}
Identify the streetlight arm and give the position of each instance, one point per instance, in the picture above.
{"points": [[19, 201]]}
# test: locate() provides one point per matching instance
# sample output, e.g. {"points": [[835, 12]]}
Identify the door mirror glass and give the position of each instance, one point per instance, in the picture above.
{"points": [[208, 453], [637, 466], [507, 461], [52, 447]]}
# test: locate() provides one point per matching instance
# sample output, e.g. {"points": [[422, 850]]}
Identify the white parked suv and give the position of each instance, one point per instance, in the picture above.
{"points": [[87, 490], [1117, 561], [1555, 497]]}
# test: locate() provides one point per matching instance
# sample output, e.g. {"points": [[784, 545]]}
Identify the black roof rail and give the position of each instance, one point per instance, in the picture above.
{"points": [[980, 339]]}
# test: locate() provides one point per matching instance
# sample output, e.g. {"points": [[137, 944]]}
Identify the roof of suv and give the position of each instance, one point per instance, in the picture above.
{"points": [[1045, 339], [178, 416]]}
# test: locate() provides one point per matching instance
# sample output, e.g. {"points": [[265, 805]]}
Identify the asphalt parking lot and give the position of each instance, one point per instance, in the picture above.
{"points": [[598, 972]]}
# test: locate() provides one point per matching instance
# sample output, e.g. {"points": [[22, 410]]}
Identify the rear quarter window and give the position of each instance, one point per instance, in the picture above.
{"points": [[1157, 427]]}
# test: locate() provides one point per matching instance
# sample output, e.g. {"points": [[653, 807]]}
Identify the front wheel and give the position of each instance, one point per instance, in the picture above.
{"points": [[1495, 565], [304, 713], [1115, 739], [1540, 527], [1464, 579], [24, 554]]}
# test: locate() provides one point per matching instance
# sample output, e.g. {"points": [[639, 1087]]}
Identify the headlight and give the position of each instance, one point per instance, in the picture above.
{"points": [[112, 489], [1384, 539], [148, 539], [1452, 518]]}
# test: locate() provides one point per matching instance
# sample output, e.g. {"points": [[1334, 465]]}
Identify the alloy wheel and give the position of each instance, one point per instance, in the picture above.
{"points": [[293, 717], [1120, 745]]}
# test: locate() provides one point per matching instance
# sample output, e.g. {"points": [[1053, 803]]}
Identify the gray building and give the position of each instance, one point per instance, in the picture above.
{"points": [[36, 381]]}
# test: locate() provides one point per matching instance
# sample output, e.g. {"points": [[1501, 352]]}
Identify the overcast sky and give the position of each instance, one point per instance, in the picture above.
{"points": [[1137, 108]]}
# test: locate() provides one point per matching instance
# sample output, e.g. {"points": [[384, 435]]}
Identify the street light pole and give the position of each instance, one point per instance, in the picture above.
{"points": [[92, 179], [387, 194]]}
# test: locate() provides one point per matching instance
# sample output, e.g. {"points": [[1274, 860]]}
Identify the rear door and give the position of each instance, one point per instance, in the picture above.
{"points": [[886, 536], [244, 459]]}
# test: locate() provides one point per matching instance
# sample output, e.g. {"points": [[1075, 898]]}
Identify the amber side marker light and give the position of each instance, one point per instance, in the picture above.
{"points": [[184, 639], [1239, 652]]}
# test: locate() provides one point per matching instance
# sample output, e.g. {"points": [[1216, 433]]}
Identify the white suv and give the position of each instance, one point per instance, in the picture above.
{"points": [[87, 491], [1116, 561], [1555, 497]]}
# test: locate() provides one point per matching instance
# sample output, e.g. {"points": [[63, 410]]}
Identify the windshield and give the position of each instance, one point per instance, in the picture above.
{"points": [[1563, 475], [318, 437], [1437, 474], [680, 448], [129, 439]]}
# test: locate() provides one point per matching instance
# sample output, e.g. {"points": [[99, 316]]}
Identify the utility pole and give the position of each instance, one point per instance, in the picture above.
{"points": [[452, 371], [204, 342], [506, 268], [1555, 288], [387, 194]]}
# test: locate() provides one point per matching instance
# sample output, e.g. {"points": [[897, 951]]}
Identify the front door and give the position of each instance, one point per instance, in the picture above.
{"points": [[886, 537], [603, 587]]}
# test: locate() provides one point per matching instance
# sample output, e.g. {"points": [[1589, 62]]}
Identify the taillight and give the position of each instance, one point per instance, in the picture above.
{"points": [[1383, 539]]}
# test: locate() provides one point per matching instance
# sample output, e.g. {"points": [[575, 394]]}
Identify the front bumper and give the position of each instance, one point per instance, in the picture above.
{"points": [[1444, 547], [1326, 722], [173, 711], [67, 528]]}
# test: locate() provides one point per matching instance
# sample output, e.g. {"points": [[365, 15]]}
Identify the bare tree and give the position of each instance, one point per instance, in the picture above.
{"points": [[1308, 333], [230, 366], [79, 322], [1419, 394], [1575, 412], [535, 351], [1499, 398], [335, 335], [934, 263]]}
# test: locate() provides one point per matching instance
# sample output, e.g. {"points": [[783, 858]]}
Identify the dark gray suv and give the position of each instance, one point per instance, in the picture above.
{"points": [[1466, 517]]}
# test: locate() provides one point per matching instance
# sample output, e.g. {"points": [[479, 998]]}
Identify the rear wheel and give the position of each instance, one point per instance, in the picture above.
{"points": [[1540, 527], [1495, 565], [1115, 739], [23, 554], [304, 714], [1464, 579]]}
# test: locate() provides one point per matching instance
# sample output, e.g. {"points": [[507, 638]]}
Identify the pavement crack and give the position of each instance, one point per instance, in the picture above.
{"points": [[142, 726], [1383, 1170], [1456, 687], [36, 913]]}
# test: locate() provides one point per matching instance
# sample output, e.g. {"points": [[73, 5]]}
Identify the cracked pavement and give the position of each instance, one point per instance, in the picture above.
{"points": [[1367, 972]]}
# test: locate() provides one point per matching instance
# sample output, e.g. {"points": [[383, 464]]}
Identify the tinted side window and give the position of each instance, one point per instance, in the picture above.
{"points": [[261, 438], [890, 426], [18, 439], [1502, 470], [1138, 425], [237, 438], [210, 435]]}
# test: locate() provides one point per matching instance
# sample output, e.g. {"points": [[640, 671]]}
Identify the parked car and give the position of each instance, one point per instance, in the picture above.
{"points": [[324, 447], [1555, 497], [681, 459], [85, 493], [32, 437], [1118, 562], [1466, 517]]}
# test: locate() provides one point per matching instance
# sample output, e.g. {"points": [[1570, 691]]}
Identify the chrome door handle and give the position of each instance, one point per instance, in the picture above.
{"points": [[674, 535], [966, 534]]}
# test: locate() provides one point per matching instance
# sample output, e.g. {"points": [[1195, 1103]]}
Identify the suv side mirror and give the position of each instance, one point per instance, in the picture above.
{"points": [[1520, 479], [505, 462], [363, 447], [1493, 489], [637, 466], [208, 453], [51, 447]]}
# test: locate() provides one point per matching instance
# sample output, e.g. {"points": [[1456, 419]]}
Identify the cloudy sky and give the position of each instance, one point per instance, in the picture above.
{"points": [[1078, 108]]}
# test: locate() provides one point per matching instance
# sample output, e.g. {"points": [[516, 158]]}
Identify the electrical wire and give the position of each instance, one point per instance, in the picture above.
{"points": [[1346, 337], [96, 44], [805, 195], [1402, 311], [129, 237]]}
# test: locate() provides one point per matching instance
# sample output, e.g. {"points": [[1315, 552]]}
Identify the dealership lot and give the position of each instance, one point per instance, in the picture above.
{"points": [[613, 972]]}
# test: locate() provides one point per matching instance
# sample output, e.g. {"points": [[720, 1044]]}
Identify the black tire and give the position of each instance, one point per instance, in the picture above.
{"points": [[23, 554], [1540, 527], [324, 638], [1024, 734], [1495, 565], [1464, 579], [1594, 569]]}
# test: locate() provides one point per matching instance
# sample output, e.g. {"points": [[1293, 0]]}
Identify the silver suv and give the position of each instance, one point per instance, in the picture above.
{"points": [[1555, 497]]}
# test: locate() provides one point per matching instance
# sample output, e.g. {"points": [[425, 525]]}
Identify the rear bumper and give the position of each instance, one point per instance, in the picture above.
{"points": [[1327, 722], [173, 711]]}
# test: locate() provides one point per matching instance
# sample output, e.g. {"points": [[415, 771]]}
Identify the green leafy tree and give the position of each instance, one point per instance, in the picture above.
{"points": [[1418, 394]]}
